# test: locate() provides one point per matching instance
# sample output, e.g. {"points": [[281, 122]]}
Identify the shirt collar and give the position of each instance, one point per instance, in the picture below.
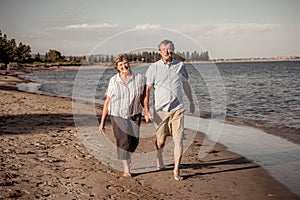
{"points": [[172, 62], [131, 78]]}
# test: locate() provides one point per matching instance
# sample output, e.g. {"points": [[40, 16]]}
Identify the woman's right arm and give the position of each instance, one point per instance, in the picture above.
{"points": [[104, 114]]}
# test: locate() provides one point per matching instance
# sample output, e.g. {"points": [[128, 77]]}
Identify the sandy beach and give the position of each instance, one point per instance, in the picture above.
{"points": [[42, 157]]}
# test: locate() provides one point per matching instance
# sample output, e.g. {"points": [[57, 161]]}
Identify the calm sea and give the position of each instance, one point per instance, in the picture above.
{"points": [[261, 94]]}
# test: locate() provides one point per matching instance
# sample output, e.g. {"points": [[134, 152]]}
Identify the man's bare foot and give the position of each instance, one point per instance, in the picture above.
{"points": [[127, 174], [177, 176]]}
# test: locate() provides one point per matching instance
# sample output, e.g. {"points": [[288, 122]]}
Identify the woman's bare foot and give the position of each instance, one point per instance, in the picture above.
{"points": [[127, 164], [161, 168]]}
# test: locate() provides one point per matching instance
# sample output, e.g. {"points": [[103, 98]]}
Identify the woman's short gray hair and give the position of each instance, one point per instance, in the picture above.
{"points": [[120, 58]]}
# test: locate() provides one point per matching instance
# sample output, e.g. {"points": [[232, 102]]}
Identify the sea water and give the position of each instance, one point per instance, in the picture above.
{"points": [[262, 94]]}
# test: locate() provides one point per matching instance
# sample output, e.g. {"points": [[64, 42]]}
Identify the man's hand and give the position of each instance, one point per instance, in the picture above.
{"points": [[192, 107]]}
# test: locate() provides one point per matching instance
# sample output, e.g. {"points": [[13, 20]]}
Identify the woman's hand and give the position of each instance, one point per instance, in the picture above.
{"points": [[101, 128]]}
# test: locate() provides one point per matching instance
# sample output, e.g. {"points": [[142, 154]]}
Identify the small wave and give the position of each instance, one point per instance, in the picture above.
{"points": [[30, 87]]}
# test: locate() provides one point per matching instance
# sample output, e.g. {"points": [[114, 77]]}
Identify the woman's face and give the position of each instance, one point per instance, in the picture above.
{"points": [[123, 67]]}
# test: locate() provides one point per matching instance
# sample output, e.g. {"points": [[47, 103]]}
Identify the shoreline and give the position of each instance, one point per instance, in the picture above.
{"points": [[191, 159], [46, 159], [280, 131]]}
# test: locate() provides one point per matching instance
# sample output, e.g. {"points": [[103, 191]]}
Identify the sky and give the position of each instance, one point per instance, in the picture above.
{"points": [[224, 28]]}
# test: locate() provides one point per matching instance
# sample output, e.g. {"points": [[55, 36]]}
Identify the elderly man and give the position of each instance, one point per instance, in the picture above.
{"points": [[168, 77]]}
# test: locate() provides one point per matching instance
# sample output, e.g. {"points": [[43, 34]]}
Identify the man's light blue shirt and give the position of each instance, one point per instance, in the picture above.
{"points": [[166, 79]]}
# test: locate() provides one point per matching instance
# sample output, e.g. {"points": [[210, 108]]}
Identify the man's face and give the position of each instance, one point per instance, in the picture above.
{"points": [[166, 52]]}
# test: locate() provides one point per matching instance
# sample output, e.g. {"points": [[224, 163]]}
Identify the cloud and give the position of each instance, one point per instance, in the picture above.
{"points": [[145, 26], [88, 26], [228, 28], [236, 28]]}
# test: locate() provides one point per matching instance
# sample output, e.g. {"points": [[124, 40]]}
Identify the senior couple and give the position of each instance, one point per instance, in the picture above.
{"points": [[128, 93]]}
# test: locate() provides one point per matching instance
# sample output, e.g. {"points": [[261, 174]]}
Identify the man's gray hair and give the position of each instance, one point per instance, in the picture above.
{"points": [[166, 42]]}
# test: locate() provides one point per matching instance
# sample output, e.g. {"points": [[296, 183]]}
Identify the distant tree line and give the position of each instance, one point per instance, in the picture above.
{"points": [[147, 56], [11, 52], [21, 53]]}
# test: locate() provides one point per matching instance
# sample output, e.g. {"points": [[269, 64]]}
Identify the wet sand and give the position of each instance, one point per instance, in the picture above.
{"points": [[43, 157]]}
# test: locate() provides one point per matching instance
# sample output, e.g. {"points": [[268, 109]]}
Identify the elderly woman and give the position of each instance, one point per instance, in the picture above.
{"points": [[124, 98]]}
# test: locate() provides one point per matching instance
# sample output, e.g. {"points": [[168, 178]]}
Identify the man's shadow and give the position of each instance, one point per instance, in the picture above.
{"points": [[209, 165]]}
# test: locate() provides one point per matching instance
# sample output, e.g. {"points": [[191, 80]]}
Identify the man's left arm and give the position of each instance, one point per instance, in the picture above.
{"points": [[188, 92], [187, 87]]}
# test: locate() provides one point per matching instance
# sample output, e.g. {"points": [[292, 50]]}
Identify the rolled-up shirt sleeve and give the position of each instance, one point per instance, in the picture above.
{"points": [[109, 91], [150, 75]]}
